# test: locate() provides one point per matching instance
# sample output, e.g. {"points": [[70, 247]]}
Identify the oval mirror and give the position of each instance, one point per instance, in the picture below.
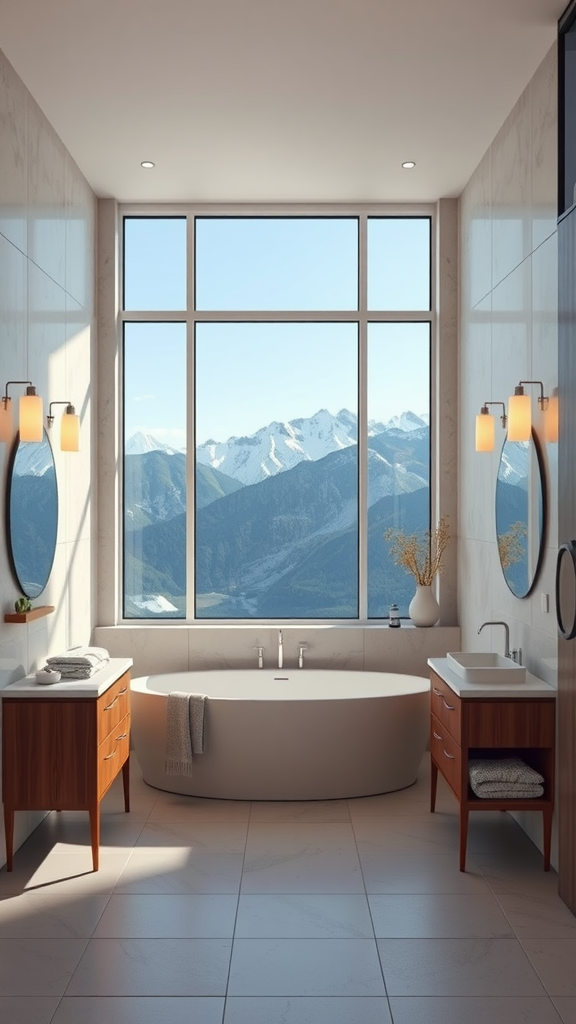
{"points": [[520, 513], [32, 514]]}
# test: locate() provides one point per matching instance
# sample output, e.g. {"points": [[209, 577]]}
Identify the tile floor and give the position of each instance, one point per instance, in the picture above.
{"points": [[337, 912]]}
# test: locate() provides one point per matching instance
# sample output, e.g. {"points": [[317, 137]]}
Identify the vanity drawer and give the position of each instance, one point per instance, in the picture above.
{"points": [[447, 754], [446, 705], [112, 754], [113, 706]]}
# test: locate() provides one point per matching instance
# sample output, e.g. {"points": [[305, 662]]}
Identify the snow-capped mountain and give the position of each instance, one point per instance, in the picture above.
{"points": [[281, 446], [408, 421], [140, 444]]}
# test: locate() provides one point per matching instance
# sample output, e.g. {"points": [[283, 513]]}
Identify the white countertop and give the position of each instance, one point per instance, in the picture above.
{"points": [[92, 687], [531, 687]]}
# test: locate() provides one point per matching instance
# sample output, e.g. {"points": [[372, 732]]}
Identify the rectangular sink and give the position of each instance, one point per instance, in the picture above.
{"points": [[478, 667]]}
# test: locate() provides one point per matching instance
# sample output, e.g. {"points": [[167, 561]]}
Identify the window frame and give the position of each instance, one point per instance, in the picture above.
{"points": [[362, 315]]}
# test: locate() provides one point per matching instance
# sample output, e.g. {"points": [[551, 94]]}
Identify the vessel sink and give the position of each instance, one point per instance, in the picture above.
{"points": [[479, 667]]}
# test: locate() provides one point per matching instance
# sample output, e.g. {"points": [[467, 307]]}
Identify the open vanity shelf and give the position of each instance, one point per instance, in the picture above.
{"points": [[467, 723]]}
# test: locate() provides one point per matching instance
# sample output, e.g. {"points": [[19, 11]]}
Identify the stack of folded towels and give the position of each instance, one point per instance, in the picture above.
{"points": [[507, 778], [79, 662]]}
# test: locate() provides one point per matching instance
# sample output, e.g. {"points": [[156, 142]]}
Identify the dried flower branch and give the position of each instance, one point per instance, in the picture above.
{"points": [[511, 546], [420, 555]]}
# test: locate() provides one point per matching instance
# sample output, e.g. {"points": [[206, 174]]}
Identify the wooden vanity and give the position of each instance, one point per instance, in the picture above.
{"points": [[64, 744], [475, 721]]}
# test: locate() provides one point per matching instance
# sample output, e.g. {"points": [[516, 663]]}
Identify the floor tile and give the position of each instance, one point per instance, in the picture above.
{"points": [[172, 870], [303, 916], [306, 1010], [537, 917], [61, 833], [566, 1006], [173, 807], [168, 917], [152, 967], [297, 858], [443, 916], [27, 1009], [300, 811], [214, 837], [139, 1010], [434, 833], [38, 967], [306, 967], [39, 916], [555, 962], [506, 879], [457, 967], [412, 871], [473, 1010], [64, 873]]}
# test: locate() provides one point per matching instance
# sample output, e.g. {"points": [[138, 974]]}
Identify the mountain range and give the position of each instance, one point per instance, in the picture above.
{"points": [[276, 533]]}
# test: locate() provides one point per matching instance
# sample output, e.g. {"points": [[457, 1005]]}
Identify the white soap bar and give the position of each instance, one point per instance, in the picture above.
{"points": [[48, 675]]}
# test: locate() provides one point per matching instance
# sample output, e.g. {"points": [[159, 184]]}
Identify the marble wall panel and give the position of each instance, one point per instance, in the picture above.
{"points": [[476, 241], [544, 121], [476, 469], [80, 236], [13, 157], [511, 191], [46, 196]]}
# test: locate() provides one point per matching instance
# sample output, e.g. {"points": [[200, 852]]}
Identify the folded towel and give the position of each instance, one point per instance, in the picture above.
{"points": [[73, 671], [505, 791], [510, 770], [84, 657], [184, 731]]}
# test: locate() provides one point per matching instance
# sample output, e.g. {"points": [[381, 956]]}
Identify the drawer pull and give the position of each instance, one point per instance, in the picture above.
{"points": [[122, 736], [119, 694], [436, 736], [439, 693], [108, 756], [446, 754]]}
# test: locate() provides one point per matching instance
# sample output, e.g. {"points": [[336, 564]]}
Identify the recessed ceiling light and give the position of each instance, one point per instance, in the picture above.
{"points": [[408, 165], [147, 164]]}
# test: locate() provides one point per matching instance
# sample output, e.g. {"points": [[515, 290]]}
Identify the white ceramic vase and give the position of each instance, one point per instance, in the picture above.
{"points": [[424, 609]]}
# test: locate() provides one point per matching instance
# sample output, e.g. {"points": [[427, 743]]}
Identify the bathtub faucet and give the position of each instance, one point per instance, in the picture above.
{"points": [[280, 649], [260, 653]]}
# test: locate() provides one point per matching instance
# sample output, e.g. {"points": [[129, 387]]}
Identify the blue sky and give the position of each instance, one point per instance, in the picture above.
{"points": [[247, 373]]}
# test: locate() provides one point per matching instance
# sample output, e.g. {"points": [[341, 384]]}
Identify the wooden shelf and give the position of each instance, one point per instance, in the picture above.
{"points": [[35, 613]]}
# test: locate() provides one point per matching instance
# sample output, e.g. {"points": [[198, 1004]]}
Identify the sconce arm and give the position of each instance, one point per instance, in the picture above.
{"points": [[503, 416], [6, 397], [50, 417], [542, 398]]}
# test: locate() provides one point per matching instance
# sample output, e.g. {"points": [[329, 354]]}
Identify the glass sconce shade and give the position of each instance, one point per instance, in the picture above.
{"points": [[484, 431], [519, 416], [6, 423], [31, 416], [70, 431]]}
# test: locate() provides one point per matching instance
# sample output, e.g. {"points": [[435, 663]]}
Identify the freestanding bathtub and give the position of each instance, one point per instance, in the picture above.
{"points": [[289, 735]]}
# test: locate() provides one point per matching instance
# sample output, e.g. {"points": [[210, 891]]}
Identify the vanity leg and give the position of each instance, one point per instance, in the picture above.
{"points": [[9, 833], [547, 835], [94, 812], [126, 782], [433, 785], [463, 835]]}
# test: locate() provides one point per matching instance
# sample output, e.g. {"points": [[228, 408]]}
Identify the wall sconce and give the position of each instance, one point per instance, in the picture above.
{"points": [[31, 418], [485, 427], [520, 411], [69, 427]]}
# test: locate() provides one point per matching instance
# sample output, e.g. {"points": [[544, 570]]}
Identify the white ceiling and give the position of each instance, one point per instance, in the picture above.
{"points": [[277, 100]]}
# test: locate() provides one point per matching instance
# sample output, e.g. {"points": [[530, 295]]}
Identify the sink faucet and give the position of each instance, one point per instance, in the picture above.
{"points": [[507, 631], [280, 649]]}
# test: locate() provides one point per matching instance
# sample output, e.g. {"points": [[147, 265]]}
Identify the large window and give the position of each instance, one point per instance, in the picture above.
{"points": [[276, 413]]}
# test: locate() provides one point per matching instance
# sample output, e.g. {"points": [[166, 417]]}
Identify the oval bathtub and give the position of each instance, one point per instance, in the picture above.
{"points": [[289, 735]]}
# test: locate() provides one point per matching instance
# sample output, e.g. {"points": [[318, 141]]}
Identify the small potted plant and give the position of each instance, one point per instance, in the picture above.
{"points": [[421, 556]]}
